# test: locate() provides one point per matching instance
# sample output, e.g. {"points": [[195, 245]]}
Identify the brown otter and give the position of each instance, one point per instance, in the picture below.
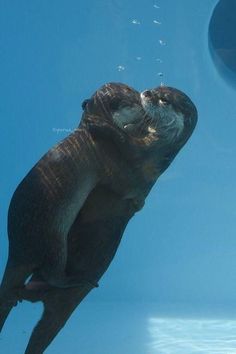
{"points": [[67, 216]]}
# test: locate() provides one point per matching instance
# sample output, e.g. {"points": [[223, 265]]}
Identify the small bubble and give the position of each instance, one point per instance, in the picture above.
{"points": [[159, 60], [136, 22], [162, 42], [120, 68], [162, 84], [156, 6], [139, 58], [157, 22], [160, 74]]}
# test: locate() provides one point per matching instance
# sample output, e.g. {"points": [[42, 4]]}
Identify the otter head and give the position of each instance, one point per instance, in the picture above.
{"points": [[115, 103], [170, 114], [159, 117]]}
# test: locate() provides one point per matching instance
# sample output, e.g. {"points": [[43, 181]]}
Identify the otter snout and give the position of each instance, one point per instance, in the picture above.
{"points": [[146, 93], [153, 96]]}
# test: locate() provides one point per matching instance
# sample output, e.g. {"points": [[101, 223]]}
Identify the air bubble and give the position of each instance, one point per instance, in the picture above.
{"points": [[120, 68], [157, 22], [138, 58], [163, 43], [136, 22], [156, 6]]}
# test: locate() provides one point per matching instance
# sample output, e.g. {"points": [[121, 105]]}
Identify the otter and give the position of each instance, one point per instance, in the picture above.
{"points": [[67, 216]]}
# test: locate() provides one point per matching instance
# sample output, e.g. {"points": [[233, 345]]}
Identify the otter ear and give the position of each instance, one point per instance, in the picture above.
{"points": [[84, 103]]}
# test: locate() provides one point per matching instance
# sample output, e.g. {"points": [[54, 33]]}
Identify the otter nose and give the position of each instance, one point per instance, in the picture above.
{"points": [[147, 93]]}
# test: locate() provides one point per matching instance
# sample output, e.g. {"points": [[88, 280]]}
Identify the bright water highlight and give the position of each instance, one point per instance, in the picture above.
{"points": [[192, 336]]}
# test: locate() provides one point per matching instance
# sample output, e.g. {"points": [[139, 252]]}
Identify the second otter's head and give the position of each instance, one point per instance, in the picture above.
{"points": [[162, 116]]}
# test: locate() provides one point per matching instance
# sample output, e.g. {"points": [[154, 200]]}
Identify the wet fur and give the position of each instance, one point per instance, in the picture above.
{"points": [[68, 215]]}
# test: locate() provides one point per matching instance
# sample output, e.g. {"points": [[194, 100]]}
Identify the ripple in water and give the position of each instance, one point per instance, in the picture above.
{"points": [[188, 336]]}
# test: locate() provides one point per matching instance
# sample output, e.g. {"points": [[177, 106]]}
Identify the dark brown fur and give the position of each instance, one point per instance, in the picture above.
{"points": [[67, 216]]}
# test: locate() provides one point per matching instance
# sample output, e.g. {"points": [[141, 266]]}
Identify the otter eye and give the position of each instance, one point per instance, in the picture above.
{"points": [[163, 101]]}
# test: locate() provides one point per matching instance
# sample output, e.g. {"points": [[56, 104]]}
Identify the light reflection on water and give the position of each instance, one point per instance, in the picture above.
{"points": [[192, 336]]}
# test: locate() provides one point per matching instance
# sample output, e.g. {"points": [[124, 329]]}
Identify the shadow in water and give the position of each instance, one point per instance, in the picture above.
{"points": [[192, 336]]}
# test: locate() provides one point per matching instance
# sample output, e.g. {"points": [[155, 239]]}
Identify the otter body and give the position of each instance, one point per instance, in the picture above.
{"points": [[67, 216]]}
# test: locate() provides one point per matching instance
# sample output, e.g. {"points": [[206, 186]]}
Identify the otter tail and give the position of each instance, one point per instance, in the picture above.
{"points": [[5, 309], [13, 279], [58, 307]]}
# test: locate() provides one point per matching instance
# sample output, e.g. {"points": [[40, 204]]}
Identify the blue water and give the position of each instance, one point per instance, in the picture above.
{"points": [[172, 285]]}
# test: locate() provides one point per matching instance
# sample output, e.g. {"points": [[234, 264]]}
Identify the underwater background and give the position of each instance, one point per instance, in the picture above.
{"points": [[172, 285]]}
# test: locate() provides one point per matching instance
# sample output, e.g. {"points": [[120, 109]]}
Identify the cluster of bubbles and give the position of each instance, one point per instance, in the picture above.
{"points": [[161, 42], [120, 68]]}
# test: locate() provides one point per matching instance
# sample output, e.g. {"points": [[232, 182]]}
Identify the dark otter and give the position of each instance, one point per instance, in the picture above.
{"points": [[67, 216]]}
